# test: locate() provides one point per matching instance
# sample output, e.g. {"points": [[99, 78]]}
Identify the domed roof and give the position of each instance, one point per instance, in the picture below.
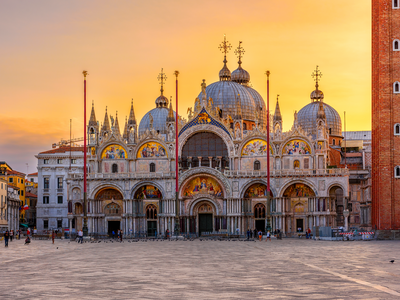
{"points": [[225, 74], [240, 75], [259, 102], [162, 101], [317, 95], [225, 95], [307, 118]]}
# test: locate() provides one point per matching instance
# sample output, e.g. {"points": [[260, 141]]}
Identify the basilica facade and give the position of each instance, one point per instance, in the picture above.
{"points": [[223, 166]]}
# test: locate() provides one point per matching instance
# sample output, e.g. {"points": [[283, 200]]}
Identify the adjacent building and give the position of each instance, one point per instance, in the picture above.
{"points": [[3, 205]]}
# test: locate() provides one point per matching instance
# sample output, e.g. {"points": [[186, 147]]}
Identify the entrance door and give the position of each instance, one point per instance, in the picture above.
{"points": [[299, 225], [113, 226], [205, 223], [151, 228], [260, 225]]}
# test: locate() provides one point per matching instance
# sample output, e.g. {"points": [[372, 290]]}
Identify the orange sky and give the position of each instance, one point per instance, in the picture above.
{"points": [[45, 45]]}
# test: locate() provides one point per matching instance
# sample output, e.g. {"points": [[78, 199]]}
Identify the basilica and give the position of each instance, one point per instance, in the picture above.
{"points": [[223, 165]]}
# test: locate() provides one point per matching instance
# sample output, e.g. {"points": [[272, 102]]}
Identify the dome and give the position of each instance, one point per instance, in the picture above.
{"points": [[225, 74], [240, 75], [317, 95], [259, 102], [225, 95], [159, 115], [162, 101], [307, 118]]}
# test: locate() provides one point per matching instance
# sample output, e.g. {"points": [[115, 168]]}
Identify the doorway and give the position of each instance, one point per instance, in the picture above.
{"points": [[260, 225], [299, 225], [151, 228], [113, 226], [205, 223]]}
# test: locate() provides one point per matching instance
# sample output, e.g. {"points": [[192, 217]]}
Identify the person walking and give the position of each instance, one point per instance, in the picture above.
{"points": [[255, 233], [53, 236], [11, 235], [260, 235], [268, 236], [113, 234], [80, 236], [309, 233], [248, 234], [6, 237], [120, 235]]}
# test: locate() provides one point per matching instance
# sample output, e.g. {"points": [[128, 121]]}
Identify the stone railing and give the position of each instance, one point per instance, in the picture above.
{"points": [[285, 173], [137, 175]]}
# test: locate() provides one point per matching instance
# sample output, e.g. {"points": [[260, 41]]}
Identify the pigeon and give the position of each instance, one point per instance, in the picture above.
{"points": [[57, 247], [392, 261]]}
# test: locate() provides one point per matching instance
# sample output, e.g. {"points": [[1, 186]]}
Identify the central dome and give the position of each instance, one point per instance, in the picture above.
{"points": [[225, 96]]}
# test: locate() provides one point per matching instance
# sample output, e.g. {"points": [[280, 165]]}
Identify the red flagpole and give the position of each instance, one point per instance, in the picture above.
{"points": [[177, 206], [85, 210], [268, 166]]}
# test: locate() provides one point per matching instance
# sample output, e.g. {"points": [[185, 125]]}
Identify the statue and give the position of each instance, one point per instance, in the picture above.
{"points": [[151, 120], [190, 113], [237, 131], [112, 121], [131, 135], [197, 106], [171, 133]]}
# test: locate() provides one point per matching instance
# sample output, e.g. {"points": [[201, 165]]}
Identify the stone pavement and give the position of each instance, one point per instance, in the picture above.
{"points": [[281, 269]]}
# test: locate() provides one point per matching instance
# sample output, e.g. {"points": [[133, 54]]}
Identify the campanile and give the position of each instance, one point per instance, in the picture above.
{"points": [[386, 114]]}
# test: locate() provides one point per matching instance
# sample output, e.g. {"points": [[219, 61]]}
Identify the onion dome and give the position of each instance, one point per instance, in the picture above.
{"points": [[308, 115], [224, 74], [241, 76], [162, 101], [317, 95]]}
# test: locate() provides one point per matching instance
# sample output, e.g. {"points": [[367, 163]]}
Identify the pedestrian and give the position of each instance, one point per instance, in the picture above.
{"points": [[155, 233], [53, 236], [113, 234], [120, 235], [268, 236], [6, 237], [11, 235], [167, 234], [255, 233], [80, 236], [251, 233], [248, 234], [28, 232], [260, 235], [309, 233], [34, 231]]}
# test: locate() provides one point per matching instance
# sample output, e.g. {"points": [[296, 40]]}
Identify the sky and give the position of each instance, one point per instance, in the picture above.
{"points": [[45, 46]]}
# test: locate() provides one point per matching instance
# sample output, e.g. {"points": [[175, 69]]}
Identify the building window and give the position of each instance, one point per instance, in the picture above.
{"points": [[73, 161], [45, 224], [257, 165], [396, 45], [244, 126], [69, 207], [32, 180], [59, 182], [259, 211], [115, 168], [59, 199], [396, 87], [333, 142], [22, 193], [396, 4], [59, 223], [397, 129], [151, 212], [152, 167], [45, 161], [296, 164], [59, 161], [306, 163], [10, 180], [45, 199], [397, 171], [46, 182]]}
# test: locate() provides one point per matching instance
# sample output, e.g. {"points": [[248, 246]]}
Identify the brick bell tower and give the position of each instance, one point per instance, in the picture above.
{"points": [[386, 114]]}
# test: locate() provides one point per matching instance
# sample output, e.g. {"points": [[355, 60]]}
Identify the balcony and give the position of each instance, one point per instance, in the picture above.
{"points": [[287, 173], [137, 175]]}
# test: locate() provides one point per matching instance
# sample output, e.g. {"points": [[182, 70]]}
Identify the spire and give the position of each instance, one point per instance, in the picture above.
{"points": [[162, 77], [106, 124], [92, 120], [240, 75], [225, 74], [277, 115], [132, 119], [317, 95], [239, 51], [125, 135], [162, 101], [170, 117], [116, 125]]}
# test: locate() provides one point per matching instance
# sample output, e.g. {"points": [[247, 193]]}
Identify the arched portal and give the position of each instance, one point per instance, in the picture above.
{"points": [[336, 193], [205, 149], [111, 200], [259, 216], [151, 216]]}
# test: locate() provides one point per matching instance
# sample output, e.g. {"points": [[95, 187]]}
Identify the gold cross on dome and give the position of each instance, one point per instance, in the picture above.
{"points": [[225, 46], [162, 78], [317, 76], [239, 51]]}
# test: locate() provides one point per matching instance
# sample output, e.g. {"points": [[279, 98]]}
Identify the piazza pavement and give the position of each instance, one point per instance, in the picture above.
{"points": [[201, 269]]}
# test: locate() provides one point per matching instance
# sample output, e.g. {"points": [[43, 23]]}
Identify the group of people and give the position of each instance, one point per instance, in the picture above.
{"points": [[254, 233], [9, 236], [120, 234]]}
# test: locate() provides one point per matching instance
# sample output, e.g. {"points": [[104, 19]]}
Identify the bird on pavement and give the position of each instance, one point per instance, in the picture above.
{"points": [[392, 261]]}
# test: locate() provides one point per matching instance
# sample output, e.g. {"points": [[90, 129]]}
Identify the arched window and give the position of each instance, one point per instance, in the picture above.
{"points": [[69, 207], [257, 165], [244, 126], [396, 87], [112, 209], [296, 164], [259, 211], [333, 142], [397, 171], [78, 209], [151, 212], [152, 167], [397, 129], [396, 46], [115, 168], [396, 4]]}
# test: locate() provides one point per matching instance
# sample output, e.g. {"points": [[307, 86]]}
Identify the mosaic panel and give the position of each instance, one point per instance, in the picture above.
{"points": [[256, 147], [296, 147], [148, 192], [202, 185], [151, 149], [298, 190], [257, 190], [114, 152]]}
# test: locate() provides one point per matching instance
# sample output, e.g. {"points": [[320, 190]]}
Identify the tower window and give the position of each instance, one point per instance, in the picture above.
{"points": [[396, 87], [244, 126], [152, 167], [396, 46], [396, 4], [397, 129], [257, 165], [333, 142], [115, 168], [397, 171]]}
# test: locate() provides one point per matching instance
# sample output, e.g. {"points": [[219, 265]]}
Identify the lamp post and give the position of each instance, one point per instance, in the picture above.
{"points": [[85, 206], [177, 206]]}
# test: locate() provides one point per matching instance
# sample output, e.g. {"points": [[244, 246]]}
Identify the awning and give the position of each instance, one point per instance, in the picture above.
{"points": [[23, 225]]}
